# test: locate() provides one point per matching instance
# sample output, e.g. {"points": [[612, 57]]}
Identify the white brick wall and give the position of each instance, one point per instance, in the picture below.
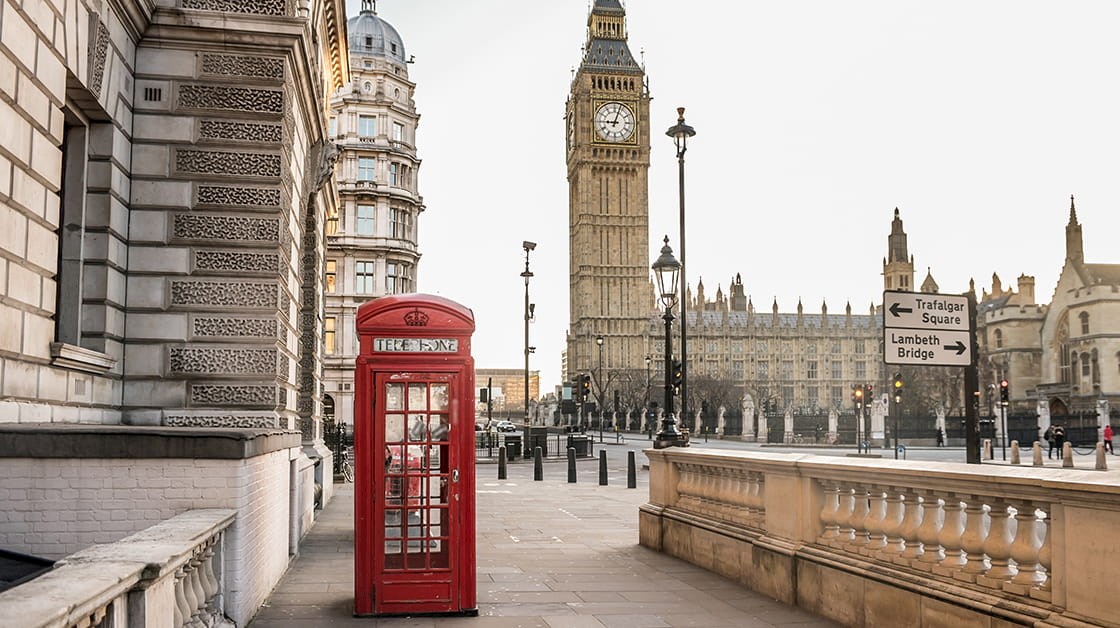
{"points": [[54, 507]]}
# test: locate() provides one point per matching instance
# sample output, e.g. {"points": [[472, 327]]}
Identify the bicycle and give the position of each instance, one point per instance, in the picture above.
{"points": [[347, 464]]}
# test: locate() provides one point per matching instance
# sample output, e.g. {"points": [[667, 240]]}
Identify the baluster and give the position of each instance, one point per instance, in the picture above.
{"points": [[738, 496], [951, 537], [892, 524], [829, 507], [930, 552], [972, 541], [194, 577], [760, 499], [210, 581], [844, 512], [182, 606], [1025, 551], [725, 494], [1045, 533], [998, 546], [858, 519], [876, 511]]}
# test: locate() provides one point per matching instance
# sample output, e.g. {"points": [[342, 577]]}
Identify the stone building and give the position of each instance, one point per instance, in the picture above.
{"points": [[1061, 359], [608, 135], [164, 188], [372, 237], [508, 389]]}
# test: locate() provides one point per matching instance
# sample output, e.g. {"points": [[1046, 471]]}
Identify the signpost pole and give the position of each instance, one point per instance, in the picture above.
{"points": [[971, 393]]}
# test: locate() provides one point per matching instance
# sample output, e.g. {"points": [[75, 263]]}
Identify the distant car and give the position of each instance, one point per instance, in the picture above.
{"points": [[505, 426]]}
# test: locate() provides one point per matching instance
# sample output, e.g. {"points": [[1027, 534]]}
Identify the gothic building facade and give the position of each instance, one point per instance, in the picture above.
{"points": [[1062, 358], [372, 237]]}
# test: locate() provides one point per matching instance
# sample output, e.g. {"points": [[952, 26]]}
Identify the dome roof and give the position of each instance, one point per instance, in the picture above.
{"points": [[371, 35]]}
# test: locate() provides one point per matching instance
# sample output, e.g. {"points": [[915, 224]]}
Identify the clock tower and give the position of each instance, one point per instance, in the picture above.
{"points": [[607, 126]]}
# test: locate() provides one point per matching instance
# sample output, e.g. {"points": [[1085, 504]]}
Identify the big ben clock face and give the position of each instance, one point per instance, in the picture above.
{"points": [[614, 122]]}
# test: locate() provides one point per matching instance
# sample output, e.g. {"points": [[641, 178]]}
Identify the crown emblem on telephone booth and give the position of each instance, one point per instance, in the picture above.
{"points": [[416, 318]]}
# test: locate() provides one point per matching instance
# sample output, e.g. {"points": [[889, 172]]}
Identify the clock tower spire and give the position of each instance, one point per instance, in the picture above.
{"points": [[607, 129]]}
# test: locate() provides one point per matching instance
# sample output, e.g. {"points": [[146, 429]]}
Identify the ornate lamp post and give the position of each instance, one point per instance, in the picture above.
{"points": [[599, 384], [528, 246], [667, 269], [680, 132], [645, 408]]}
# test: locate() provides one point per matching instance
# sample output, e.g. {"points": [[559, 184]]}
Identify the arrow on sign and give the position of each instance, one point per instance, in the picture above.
{"points": [[897, 309], [960, 347]]}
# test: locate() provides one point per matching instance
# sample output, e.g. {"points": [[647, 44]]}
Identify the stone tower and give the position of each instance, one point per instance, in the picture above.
{"points": [[607, 126], [898, 265], [372, 248]]}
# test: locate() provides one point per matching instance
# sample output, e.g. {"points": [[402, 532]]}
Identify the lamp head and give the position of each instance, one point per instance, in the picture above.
{"points": [[667, 269]]}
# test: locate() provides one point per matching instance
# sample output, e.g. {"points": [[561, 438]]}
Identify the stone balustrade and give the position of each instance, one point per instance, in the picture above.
{"points": [[167, 575], [889, 542]]}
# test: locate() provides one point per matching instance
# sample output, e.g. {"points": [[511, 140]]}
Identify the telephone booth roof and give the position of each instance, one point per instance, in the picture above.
{"points": [[422, 311]]}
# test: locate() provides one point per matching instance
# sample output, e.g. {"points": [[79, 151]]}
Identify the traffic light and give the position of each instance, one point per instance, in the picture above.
{"points": [[857, 396], [896, 384], [483, 395], [1003, 392], [677, 376], [585, 386]]}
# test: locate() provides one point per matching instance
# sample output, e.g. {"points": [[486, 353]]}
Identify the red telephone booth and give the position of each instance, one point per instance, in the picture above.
{"points": [[414, 508]]}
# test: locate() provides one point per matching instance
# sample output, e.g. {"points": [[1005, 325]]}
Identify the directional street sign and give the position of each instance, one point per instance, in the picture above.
{"points": [[926, 329]]}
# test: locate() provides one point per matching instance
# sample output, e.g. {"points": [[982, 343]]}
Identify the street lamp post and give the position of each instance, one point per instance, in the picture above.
{"points": [[528, 246], [645, 408], [599, 384], [680, 132], [667, 269]]}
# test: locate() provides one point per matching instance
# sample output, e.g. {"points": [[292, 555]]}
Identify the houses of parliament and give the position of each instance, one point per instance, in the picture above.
{"points": [[1061, 358]]}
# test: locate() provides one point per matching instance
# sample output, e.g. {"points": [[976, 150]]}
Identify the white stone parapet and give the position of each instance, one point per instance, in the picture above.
{"points": [[1024, 540], [167, 575]]}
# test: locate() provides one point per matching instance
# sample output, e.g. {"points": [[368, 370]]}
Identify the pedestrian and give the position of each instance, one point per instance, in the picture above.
{"points": [[1059, 439], [1108, 438], [1049, 437], [940, 437]]}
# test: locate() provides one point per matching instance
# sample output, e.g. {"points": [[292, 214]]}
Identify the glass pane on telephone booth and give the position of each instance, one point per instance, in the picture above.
{"points": [[417, 476]]}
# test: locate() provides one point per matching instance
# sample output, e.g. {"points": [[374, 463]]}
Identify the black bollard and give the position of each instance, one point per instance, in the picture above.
{"points": [[631, 470], [571, 465], [502, 462], [538, 467], [602, 467]]}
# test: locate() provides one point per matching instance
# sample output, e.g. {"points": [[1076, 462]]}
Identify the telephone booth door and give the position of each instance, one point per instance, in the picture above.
{"points": [[414, 480]]}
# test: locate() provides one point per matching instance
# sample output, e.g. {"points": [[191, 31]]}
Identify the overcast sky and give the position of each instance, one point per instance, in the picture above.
{"points": [[814, 120]]}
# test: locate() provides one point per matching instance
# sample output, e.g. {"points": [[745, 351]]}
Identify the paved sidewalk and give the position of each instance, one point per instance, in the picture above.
{"points": [[550, 555]]}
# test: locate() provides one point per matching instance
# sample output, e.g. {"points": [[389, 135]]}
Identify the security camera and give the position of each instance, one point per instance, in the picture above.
{"points": [[528, 246]]}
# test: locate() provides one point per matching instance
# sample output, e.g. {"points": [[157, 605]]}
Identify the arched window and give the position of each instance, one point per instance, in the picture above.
{"points": [[328, 408], [1084, 316], [999, 338]]}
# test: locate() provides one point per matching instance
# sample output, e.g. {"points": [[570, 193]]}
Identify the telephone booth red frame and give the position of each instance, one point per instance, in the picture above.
{"points": [[414, 499]]}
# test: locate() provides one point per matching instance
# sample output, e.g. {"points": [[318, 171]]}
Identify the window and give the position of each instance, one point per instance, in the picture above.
{"points": [[1086, 365], [398, 132], [363, 277], [332, 224], [813, 397], [737, 346], [836, 346], [332, 126], [763, 370], [366, 167], [398, 278], [837, 370], [837, 396], [713, 347], [763, 346], [861, 369], [332, 276], [737, 369], [787, 369], [400, 223], [71, 231], [860, 346], [367, 126], [811, 348], [999, 338], [328, 334], [787, 396], [365, 220], [1084, 316], [812, 370]]}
